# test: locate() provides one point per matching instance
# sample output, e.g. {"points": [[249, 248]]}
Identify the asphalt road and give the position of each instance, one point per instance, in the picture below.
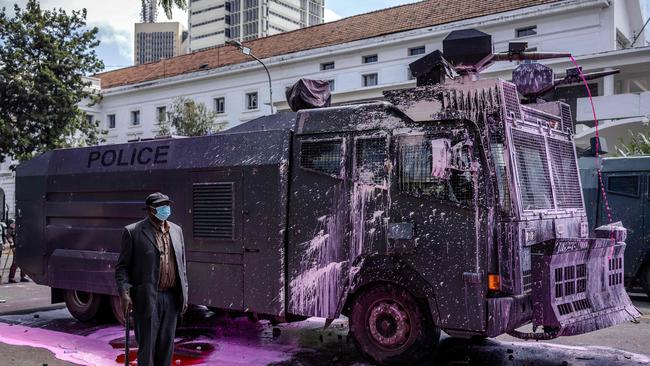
{"points": [[35, 333]]}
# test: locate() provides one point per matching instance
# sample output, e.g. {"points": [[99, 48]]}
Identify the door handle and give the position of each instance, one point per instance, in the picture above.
{"points": [[249, 250]]}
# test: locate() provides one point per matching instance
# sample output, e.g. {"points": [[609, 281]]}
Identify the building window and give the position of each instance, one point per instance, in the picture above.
{"points": [[409, 74], [220, 105], [135, 118], [332, 84], [525, 32], [417, 51], [251, 100], [327, 66], [370, 79], [370, 59], [161, 113], [111, 121], [90, 118]]}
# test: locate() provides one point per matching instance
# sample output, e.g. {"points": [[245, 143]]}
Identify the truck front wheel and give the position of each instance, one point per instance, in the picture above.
{"points": [[391, 328], [84, 306]]}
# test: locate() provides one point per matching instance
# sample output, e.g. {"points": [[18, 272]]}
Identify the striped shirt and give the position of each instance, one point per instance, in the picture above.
{"points": [[167, 275]]}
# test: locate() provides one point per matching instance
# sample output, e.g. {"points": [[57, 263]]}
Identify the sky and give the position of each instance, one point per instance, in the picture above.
{"points": [[115, 20]]}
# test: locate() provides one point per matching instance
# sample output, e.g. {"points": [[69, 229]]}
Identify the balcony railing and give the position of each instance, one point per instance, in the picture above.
{"points": [[618, 106]]}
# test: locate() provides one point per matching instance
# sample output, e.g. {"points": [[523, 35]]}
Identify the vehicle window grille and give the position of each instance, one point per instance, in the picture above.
{"points": [[565, 309], [212, 210], [582, 304], [322, 156], [627, 185], [615, 276], [532, 171], [567, 118], [415, 173], [565, 174], [581, 276], [558, 283], [535, 117], [511, 100], [371, 155], [527, 280]]}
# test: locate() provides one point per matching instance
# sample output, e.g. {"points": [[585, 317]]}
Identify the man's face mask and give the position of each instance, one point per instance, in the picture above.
{"points": [[163, 212]]}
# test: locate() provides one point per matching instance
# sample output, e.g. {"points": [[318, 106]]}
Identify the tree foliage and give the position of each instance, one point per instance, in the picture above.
{"points": [[44, 56], [637, 144], [167, 5], [189, 118]]}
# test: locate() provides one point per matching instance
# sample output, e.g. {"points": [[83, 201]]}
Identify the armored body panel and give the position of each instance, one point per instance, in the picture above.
{"points": [[627, 185], [230, 198]]}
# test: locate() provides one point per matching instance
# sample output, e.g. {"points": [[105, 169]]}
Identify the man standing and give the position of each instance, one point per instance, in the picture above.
{"points": [[11, 238], [151, 280]]}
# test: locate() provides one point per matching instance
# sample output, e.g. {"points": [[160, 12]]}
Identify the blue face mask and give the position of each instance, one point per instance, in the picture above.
{"points": [[163, 212]]}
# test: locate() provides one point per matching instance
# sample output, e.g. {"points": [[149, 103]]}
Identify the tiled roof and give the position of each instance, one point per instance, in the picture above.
{"points": [[382, 22]]}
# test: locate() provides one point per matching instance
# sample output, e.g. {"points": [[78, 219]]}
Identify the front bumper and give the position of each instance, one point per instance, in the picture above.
{"points": [[578, 286]]}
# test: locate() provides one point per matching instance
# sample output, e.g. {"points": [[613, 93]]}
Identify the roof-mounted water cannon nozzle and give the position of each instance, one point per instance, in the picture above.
{"points": [[517, 52], [573, 75], [534, 80]]}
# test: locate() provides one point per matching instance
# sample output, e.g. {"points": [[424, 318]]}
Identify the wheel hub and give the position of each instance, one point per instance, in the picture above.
{"points": [[82, 298], [389, 324]]}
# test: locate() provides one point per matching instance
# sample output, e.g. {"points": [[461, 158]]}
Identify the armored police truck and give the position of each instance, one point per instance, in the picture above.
{"points": [[449, 206]]}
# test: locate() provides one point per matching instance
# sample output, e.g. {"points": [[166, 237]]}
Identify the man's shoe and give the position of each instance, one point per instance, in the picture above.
{"points": [[12, 281], [24, 280]]}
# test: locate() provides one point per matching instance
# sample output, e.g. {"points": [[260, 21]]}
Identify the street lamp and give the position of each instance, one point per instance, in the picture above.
{"points": [[247, 51]]}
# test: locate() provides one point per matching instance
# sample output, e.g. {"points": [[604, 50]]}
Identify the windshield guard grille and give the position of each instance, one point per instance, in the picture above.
{"points": [[565, 174], [535, 173]]}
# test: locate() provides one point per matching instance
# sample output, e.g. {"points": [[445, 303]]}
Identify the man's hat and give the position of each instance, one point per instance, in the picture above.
{"points": [[156, 198]]}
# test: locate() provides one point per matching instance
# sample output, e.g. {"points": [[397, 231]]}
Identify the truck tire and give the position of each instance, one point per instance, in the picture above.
{"points": [[390, 327], [645, 278], [84, 306]]}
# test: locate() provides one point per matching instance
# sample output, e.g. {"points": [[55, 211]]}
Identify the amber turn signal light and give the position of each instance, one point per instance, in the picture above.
{"points": [[494, 282]]}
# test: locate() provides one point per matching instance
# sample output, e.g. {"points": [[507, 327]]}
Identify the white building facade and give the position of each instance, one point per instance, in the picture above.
{"points": [[213, 22], [594, 31]]}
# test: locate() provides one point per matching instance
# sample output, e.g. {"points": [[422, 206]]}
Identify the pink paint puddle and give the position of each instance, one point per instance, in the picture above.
{"points": [[214, 341]]}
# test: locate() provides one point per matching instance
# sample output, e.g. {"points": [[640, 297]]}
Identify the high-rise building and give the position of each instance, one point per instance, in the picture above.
{"points": [[154, 41], [213, 22]]}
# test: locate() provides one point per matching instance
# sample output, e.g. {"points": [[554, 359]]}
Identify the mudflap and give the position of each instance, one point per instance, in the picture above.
{"points": [[578, 286]]}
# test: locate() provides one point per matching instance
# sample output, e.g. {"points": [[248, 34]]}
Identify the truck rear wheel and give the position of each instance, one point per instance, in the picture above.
{"points": [[84, 306], [391, 328]]}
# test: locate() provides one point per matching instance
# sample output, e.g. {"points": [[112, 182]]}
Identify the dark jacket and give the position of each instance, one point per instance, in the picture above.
{"points": [[138, 266]]}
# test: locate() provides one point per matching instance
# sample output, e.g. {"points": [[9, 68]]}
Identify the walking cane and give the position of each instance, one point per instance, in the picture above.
{"points": [[126, 338]]}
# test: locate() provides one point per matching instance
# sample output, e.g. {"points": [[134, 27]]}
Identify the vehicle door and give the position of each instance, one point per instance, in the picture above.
{"points": [[626, 202], [318, 224], [433, 200], [214, 249]]}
